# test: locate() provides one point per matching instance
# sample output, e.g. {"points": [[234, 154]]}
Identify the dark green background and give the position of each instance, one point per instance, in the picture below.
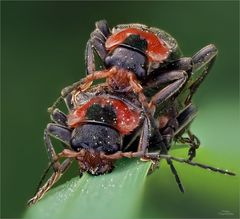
{"points": [[43, 51]]}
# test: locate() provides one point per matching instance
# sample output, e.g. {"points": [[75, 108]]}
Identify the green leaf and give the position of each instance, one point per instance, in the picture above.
{"points": [[114, 195]]}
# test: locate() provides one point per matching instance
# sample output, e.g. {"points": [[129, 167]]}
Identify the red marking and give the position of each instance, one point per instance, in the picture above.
{"points": [[127, 119], [157, 51]]}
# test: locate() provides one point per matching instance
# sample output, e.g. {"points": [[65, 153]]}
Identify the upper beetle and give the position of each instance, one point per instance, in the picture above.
{"points": [[169, 80], [100, 128], [149, 56], [134, 47], [150, 53]]}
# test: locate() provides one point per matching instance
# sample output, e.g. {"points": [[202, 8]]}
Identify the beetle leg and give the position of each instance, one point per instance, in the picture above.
{"points": [[163, 148], [82, 85], [89, 58], [144, 137], [96, 43], [157, 156], [59, 117], [88, 80], [202, 63], [59, 132], [120, 154], [194, 145], [130, 139], [64, 94], [137, 89], [102, 25], [177, 81], [51, 181], [159, 141], [169, 130], [192, 141], [141, 153], [184, 63], [98, 40], [204, 166], [63, 134], [177, 125], [154, 79], [204, 57], [184, 119]]}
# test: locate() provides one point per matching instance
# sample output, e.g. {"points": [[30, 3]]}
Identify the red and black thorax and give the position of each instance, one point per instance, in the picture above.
{"points": [[135, 50], [107, 110]]}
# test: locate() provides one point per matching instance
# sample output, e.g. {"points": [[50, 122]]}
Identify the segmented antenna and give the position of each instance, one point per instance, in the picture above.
{"points": [[204, 166]]}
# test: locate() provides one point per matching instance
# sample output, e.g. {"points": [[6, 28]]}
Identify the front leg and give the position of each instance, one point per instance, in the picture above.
{"points": [[157, 156], [85, 83], [64, 135], [80, 86]]}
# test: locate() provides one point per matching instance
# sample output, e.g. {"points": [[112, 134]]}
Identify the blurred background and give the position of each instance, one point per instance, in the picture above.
{"points": [[43, 51]]}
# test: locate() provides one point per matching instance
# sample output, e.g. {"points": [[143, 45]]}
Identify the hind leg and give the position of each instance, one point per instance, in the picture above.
{"points": [[184, 119]]}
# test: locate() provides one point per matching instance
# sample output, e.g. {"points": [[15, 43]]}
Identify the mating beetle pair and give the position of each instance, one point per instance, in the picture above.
{"points": [[146, 99]]}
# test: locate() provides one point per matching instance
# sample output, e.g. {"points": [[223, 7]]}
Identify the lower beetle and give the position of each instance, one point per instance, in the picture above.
{"points": [[165, 101], [153, 108], [96, 133]]}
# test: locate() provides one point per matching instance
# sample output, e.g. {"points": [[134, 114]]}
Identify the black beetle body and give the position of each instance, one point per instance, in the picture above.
{"points": [[146, 99]]}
